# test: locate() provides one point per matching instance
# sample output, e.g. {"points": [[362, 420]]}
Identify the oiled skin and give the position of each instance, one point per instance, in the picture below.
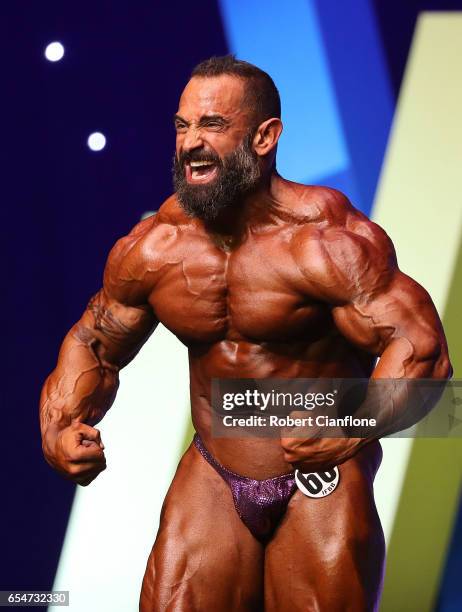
{"points": [[308, 287]]}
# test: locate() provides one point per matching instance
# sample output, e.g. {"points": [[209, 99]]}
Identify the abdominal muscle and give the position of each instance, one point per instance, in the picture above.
{"points": [[262, 457]]}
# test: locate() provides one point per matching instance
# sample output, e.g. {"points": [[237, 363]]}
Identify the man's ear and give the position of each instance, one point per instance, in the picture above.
{"points": [[267, 136]]}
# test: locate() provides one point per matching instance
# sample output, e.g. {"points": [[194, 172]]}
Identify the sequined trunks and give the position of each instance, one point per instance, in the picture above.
{"points": [[260, 503]]}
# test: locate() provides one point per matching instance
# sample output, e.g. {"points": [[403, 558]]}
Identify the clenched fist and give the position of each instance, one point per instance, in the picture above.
{"points": [[76, 452]]}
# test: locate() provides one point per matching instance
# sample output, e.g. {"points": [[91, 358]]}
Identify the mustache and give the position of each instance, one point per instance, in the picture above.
{"points": [[238, 173], [190, 156]]}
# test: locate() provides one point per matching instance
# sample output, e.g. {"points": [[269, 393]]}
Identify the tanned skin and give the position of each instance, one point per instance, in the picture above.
{"points": [[291, 282]]}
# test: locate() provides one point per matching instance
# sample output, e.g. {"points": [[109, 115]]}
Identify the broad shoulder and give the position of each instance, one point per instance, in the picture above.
{"points": [[327, 214], [323, 208], [132, 260], [337, 246]]}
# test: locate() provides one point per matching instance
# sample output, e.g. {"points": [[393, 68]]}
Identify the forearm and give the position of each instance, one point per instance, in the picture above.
{"points": [[85, 395], [412, 359], [82, 386], [395, 398], [398, 396]]}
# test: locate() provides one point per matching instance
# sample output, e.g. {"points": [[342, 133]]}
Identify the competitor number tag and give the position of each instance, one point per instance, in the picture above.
{"points": [[317, 484]]}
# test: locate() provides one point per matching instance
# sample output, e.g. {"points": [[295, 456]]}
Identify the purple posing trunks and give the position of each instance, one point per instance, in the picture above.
{"points": [[259, 503]]}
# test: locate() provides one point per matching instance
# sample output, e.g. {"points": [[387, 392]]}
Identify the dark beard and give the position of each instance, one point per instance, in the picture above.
{"points": [[237, 175]]}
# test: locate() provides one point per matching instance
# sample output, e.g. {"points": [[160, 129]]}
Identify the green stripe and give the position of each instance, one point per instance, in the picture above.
{"points": [[419, 204], [430, 499]]}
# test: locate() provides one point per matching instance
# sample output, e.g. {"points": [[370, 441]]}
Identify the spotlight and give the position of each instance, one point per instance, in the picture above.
{"points": [[96, 141], [54, 52]]}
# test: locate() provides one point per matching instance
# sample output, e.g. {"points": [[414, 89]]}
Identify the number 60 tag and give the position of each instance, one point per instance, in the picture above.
{"points": [[317, 484]]}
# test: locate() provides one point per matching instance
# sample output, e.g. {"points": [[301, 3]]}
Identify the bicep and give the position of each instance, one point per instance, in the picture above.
{"points": [[119, 319], [372, 302], [113, 331], [400, 314]]}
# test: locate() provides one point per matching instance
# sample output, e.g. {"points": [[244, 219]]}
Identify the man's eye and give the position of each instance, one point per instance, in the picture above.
{"points": [[214, 124], [180, 126]]}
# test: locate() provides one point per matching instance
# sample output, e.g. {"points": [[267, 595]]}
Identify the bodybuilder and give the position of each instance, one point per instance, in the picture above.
{"points": [[259, 277]]}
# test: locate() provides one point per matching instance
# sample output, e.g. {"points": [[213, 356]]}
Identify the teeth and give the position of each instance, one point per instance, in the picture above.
{"points": [[198, 164]]}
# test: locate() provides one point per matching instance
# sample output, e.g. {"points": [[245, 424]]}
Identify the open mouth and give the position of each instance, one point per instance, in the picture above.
{"points": [[200, 171]]}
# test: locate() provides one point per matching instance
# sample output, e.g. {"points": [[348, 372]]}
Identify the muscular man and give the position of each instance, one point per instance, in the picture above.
{"points": [[259, 277]]}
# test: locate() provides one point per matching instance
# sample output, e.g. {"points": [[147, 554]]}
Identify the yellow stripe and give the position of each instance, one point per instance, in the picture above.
{"points": [[420, 206]]}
